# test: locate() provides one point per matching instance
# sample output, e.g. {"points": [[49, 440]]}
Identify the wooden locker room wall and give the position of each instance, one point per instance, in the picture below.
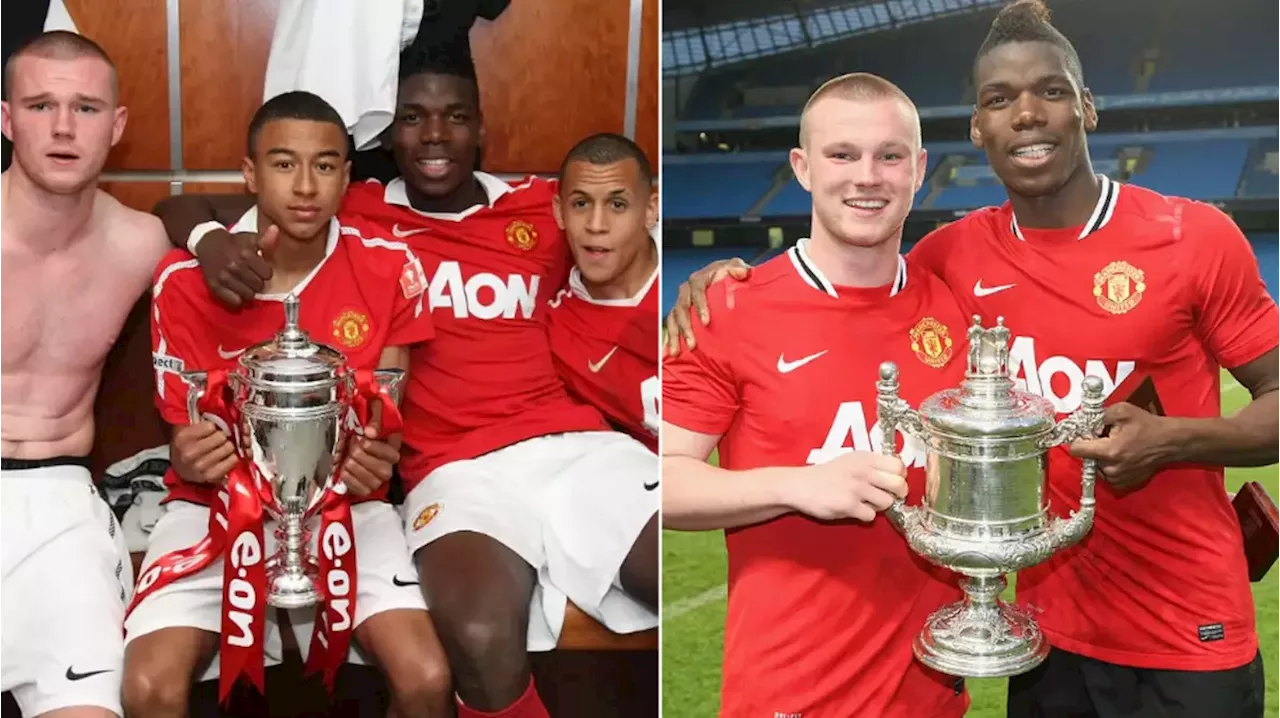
{"points": [[542, 88]]}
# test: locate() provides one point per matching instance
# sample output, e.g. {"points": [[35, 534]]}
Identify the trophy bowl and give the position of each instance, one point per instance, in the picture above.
{"points": [[292, 398], [985, 509]]}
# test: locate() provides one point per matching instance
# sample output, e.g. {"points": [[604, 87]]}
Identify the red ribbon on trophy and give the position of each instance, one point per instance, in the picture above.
{"points": [[335, 617], [238, 513]]}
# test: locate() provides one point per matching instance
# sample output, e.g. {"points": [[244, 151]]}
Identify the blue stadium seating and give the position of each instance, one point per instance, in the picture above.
{"points": [[1175, 45], [1260, 174], [1205, 165], [715, 190]]}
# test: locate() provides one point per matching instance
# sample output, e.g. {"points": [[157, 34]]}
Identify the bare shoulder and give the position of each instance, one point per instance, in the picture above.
{"points": [[134, 233]]}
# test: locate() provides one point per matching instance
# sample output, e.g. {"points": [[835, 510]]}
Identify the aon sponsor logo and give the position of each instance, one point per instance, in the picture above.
{"points": [[1058, 378], [849, 432], [482, 295]]}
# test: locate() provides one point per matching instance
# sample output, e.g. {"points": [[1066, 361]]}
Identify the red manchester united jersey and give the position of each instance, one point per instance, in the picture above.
{"points": [[488, 380], [1152, 287], [607, 352], [821, 615], [353, 301]]}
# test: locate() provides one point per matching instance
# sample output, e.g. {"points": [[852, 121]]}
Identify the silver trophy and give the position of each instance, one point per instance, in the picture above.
{"points": [[293, 397], [984, 511]]}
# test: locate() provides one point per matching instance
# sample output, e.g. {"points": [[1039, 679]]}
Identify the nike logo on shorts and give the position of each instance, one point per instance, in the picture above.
{"points": [[400, 582], [651, 487], [73, 676]]}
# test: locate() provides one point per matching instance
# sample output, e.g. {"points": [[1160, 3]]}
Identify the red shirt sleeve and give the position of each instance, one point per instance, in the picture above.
{"points": [[176, 328], [410, 313], [1235, 317], [699, 389]]}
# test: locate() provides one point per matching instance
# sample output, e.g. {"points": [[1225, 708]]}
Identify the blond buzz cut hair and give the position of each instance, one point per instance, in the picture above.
{"points": [[860, 87], [58, 45]]}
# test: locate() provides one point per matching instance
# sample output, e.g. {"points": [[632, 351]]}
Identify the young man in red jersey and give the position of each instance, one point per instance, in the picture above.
{"points": [[825, 597], [1152, 613], [528, 488], [350, 298], [604, 324]]}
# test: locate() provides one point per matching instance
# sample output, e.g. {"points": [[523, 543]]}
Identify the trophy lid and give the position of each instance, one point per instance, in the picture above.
{"points": [[987, 404], [291, 357]]}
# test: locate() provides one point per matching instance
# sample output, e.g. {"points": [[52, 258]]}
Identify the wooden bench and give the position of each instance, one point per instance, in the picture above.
{"points": [[593, 672]]}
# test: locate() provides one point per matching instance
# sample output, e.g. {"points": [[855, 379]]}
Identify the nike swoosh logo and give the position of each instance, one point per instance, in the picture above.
{"points": [[786, 367], [229, 355], [651, 487], [595, 366], [73, 676], [399, 582], [981, 291], [402, 233]]}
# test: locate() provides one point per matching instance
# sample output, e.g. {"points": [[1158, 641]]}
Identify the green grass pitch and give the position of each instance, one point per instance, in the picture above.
{"points": [[693, 604]]}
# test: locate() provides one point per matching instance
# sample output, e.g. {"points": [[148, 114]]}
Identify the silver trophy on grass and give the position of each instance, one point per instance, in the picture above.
{"points": [[984, 512], [294, 397]]}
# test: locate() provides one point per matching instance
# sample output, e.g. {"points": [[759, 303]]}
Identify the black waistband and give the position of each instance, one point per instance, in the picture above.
{"points": [[7, 464]]}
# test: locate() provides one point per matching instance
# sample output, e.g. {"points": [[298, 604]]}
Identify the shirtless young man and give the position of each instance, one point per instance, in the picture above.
{"points": [[75, 261]]}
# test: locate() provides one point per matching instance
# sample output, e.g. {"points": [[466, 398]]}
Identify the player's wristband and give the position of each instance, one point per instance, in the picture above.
{"points": [[197, 234]]}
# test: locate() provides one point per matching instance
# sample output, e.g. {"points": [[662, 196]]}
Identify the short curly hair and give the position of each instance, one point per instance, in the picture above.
{"points": [[1028, 21]]}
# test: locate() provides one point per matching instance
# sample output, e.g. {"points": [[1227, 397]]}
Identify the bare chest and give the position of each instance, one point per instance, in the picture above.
{"points": [[62, 312]]}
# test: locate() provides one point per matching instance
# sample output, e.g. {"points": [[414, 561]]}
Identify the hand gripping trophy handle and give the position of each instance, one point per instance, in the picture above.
{"points": [[893, 415], [197, 384], [1085, 422]]}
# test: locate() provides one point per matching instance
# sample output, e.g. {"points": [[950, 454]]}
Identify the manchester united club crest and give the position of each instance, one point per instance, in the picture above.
{"points": [[522, 235], [425, 516], [351, 328], [1119, 287], [931, 342]]}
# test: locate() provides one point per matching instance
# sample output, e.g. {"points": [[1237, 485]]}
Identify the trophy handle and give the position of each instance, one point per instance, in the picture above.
{"points": [[895, 415], [197, 386], [384, 388], [1085, 422]]}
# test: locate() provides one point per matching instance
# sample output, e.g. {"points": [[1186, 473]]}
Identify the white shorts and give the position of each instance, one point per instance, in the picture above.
{"points": [[66, 580], [386, 579], [571, 505]]}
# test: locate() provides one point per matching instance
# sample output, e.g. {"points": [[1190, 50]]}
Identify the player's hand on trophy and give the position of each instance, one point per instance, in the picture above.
{"points": [[1133, 448], [201, 453], [236, 266], [693, 293], [370, 462], [857, 485]]}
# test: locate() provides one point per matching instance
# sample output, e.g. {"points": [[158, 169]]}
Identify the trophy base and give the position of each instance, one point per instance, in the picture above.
{"points": [[289, 590], [980, 639]]}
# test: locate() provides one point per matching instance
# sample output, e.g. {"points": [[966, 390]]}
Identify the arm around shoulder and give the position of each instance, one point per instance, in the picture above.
{"points": [[181, 214]]}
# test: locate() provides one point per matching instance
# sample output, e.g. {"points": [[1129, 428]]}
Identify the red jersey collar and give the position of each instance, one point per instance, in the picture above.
{"points": [[1102, 211], [814, 277]]}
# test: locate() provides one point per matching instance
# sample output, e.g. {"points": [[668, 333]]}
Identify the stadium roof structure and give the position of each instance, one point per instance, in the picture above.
{"points": [[699, 35]]}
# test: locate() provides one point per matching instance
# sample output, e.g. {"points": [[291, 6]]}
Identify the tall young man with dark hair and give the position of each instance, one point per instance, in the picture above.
{"points": [[604, 323], [1151, 614], [518, 495], [352, 295]]}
